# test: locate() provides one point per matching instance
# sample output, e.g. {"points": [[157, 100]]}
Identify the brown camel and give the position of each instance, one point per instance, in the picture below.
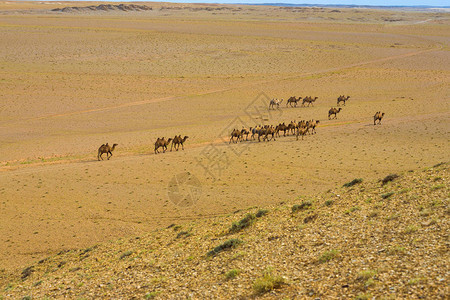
{"points": [[309, 100], [235, 134], [255, 131], [301, 131], [269, 130], [292, 126], [342, 99], [162, 143], [246, 132], [281, 127], [105, 148], [177, 141], [378, 116], [312, 125], [333, 111], [293, 100]]}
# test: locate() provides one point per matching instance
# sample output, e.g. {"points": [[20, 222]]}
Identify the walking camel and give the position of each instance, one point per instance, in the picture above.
{"points": [[235, 136], [333, 111], [177, 141], [274, 102], [162, 143], [342, 99], [377, 117], [105, 148], [309, 100], [293, 100]]}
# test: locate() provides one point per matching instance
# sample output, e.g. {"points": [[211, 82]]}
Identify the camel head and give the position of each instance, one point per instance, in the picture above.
{"points": [[114, 146], [168, 141], [382, 114], [340, 108]]}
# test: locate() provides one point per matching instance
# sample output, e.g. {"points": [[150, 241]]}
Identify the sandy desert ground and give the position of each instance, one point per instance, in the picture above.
{"points": [[70, 82]]}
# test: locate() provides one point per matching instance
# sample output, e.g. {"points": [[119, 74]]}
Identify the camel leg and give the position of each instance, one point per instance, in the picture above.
{"points": [[110, 154]]}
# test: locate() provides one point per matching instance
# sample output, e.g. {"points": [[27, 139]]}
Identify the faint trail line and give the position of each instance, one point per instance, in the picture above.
{"points": [[168, 98]]}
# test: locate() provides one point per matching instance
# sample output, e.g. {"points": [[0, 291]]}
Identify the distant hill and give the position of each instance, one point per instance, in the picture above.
{"points": [[104, 7], [347, 5]]}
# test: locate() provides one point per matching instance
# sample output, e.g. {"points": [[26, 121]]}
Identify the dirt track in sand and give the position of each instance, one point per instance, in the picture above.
{"points": [[74, 81]]}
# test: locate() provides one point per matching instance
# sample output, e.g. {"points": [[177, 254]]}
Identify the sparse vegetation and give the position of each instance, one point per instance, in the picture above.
{"points": [[396, 250], [328, 255], [232, 273], [366, 274], [268, 282], [411, 229], [261, 213], [387, 195], [152, 295], [363, 296], [304, 205], [233, 243], [243, 223], [389, 178], [328, 202], [437, 187], [353, 182], [126, 254], [352, 209]]}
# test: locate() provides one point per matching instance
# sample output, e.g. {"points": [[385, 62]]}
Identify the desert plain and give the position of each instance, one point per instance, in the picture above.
{"points": [[71, 81]]}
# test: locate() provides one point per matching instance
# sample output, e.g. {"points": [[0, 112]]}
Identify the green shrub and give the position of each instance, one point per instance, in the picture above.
{"points": [[261, 212], [151, 295], [387, 195], [243, 223], [353, 182], [224, 246], [126, 254], [268, 282], [328, 255], [304, 205], [328, 202], [232, 273], [388, 178]]}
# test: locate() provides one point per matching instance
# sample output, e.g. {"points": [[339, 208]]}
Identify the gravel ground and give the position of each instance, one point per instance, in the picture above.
{"points": [[369, 240]]}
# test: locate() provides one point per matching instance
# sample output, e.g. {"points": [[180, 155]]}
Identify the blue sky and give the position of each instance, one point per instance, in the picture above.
{"points": [[359, 2]]}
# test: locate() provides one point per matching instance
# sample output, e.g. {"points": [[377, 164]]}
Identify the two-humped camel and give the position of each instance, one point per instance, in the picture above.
{"points": [[293, 100], [177, 141], [309, 100], [342, 99], [333, 111], [162, 143], [274, 102]]}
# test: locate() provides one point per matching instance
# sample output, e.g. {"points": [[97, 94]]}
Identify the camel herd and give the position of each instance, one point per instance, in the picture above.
{"points": [[266, 132], [176, 142], [271, 132], [292, 101]]}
